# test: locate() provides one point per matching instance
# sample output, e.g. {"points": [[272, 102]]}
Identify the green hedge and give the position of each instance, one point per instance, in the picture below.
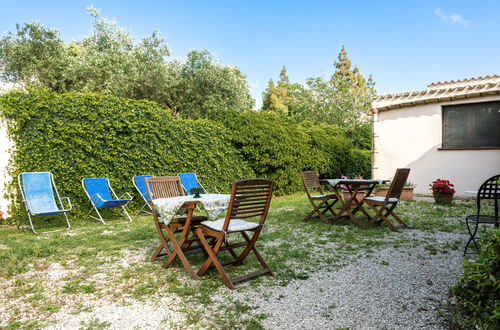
{"points": [[89, 135], [279, 148], [78, 135], [478, 289]]}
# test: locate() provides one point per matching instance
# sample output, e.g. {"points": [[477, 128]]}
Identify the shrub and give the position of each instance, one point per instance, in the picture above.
{"points": [[478, 289], [359, 162], [272, 146], [279, 148], [77, 135]]}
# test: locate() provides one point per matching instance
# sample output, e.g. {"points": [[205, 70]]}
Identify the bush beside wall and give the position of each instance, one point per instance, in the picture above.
{"points": [[89, 135], [478, 290], [279, 148], [76, 135]]}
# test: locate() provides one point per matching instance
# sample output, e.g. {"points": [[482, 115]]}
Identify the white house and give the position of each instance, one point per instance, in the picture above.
{"points": [[449, 131], [5, 145]]}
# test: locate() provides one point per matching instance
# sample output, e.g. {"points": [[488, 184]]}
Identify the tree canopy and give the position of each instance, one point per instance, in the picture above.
{"points": [[110, 60], [343, 100]]}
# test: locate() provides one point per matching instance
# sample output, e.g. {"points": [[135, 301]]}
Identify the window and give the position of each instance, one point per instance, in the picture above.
{"points": [[474, 125]]}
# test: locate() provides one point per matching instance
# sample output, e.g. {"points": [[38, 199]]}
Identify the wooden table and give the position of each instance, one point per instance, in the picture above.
{"points": [[352, 205]]}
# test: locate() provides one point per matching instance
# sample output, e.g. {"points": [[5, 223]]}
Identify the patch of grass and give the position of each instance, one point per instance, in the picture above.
{"points": [[95, 324], [112, 262]]}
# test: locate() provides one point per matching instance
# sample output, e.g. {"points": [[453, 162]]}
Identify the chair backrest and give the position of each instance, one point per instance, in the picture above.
{"points": [[311, 181], [38, 189], [163, 187], [398, 183], [140, 185], [100, 186], [249, 198], [490, 189], [189, 181]]}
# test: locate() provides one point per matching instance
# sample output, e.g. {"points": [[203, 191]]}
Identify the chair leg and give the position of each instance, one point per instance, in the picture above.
{"points": [[330, 208], [308, 216], [31, 223], [67, 220], [145, 211], [215, 249], [99, 214], [261, 260], [163, 245], [126, 213], [395, 216], [377, 216], [212, 258], [472, 236], [178, 252], [321, 215], [250, 244], [388, 223]]}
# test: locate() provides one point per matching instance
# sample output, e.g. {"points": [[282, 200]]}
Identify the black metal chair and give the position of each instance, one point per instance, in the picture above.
{"points": [[488, 192]]}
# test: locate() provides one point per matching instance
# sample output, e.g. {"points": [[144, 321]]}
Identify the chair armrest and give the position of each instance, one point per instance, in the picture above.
{"points": [[98, 196], [69, 202], [27, 204], [126, 194]]}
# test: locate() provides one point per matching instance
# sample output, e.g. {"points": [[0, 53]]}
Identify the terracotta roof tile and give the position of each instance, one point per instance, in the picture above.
{"points": [[440, 92]]}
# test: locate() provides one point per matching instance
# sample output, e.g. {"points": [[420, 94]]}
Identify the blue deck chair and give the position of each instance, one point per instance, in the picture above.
{"points": [[190, 181], [40, 196], [140, 185], [102, 196]]}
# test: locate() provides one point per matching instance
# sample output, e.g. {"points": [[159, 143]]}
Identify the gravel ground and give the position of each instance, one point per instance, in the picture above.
{"points": [[392, 289]]}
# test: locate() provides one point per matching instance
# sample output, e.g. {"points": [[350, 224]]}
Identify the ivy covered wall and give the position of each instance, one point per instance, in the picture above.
{"points": [[75, 135]]}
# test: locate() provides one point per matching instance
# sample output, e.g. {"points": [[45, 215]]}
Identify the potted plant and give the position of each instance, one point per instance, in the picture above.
{"points": [[406, 194], [443, 191], [196, 191]]}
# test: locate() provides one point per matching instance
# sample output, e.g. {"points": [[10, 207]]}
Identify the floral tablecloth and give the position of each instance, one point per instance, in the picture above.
{"points": [[213, 204], [334, 182]]}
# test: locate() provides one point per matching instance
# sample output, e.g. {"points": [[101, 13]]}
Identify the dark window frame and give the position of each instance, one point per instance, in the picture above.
{"points": [[469, 110]]}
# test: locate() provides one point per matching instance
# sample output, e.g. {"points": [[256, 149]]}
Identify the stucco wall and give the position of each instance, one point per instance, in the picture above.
{"points": [[410, 137], [5, 146]]}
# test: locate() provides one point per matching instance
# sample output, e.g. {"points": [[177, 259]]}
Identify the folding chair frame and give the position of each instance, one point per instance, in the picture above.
{"points": [[326, 201], [384, 209], [94, 208], [143, 195], [59, 198], [240, 206], [165, 187]]}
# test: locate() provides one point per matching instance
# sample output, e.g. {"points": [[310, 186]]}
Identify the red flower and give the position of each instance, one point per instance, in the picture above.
{"points": [[442, 186]]}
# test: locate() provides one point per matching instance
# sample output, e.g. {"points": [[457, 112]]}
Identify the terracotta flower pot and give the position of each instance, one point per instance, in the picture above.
{"points": [[360, 195], [441, 198], [406, 194]]}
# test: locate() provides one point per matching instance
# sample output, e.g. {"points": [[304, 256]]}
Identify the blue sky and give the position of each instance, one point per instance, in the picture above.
{"points": [[404, 44]]}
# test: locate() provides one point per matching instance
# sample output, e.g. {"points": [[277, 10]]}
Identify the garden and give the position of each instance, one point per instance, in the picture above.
{"points": [[95, 276], [77, 119]]}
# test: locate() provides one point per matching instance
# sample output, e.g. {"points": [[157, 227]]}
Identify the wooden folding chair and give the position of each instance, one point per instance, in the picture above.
{"points": [[249, 199], [384, 206], [165, 187], [321, 203]]}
